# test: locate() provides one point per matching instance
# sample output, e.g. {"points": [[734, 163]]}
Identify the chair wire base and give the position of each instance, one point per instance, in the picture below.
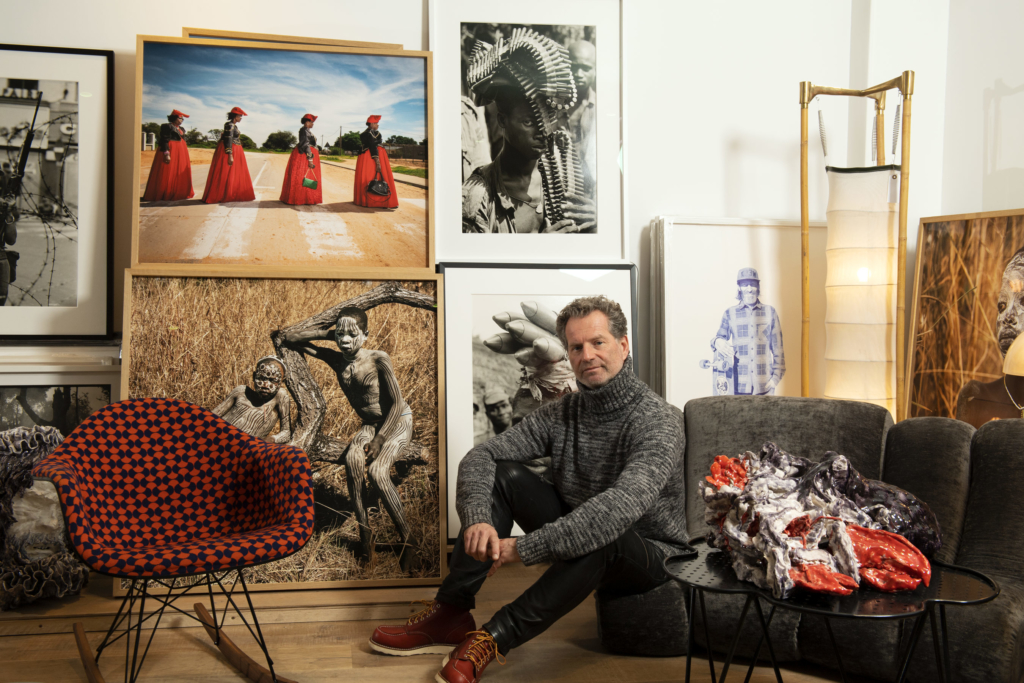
{"points": [[131, 617]]}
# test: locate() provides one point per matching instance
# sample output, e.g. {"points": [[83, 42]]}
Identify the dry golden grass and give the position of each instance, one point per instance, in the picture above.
{"points": [[962, 264], [195, 339]]}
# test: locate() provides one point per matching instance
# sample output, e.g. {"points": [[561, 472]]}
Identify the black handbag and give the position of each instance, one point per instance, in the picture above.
{"points": [[379, 187]]}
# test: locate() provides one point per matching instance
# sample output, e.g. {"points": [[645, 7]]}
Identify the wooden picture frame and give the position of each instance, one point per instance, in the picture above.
{"points": [[63, 289], [477, 291], [218, 34], [266, 231], [954, 334], [160, 334]]}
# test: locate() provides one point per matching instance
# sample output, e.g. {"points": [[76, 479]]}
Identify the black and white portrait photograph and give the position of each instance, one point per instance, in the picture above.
{"points": [[518, 361], [39, 160], [529, 128], [503, 317]]}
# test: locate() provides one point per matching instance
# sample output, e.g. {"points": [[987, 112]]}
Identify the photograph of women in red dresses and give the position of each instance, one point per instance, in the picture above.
{"points": [[229, 179], [304, 163], [170, 178], [373, 164]]}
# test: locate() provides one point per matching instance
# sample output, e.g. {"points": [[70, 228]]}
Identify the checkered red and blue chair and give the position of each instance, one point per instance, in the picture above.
{"points": [[173, 500]]}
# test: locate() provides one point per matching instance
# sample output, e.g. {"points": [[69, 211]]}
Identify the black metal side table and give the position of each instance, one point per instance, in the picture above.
{"points": [[711, 571]]}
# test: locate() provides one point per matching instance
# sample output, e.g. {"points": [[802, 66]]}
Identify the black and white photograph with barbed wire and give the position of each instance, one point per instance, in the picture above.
{"points": [[39, 129], [529, 128]]}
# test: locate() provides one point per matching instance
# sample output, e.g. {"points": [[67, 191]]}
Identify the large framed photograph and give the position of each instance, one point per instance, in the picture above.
{"points": [[282, 154], [56, 190], [529, 125], [726, 307], [968, 309], [349, 370], [501, 330]]}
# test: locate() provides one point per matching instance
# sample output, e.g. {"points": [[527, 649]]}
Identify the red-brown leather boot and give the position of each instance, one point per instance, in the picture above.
{"points": [[466, 663], [434, 630]]}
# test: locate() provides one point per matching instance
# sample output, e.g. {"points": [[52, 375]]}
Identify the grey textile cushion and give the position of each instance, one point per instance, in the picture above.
{"points": [[931, 458], [986, 641], [651, 624], [808, 427]]}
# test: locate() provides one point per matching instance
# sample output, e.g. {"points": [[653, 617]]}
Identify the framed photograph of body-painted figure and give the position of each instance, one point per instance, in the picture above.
{"points": [[968, 309], [529, 127], [504, 358], [348, 369], [56, 189], [726, 307], [282, 154]]}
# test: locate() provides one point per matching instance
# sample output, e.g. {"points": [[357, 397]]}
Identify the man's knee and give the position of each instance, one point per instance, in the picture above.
{"points": [[355, 459], [510, 473], [380, 472]]}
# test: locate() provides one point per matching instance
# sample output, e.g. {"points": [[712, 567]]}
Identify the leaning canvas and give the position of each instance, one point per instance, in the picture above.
{"points": [[348, 370]]}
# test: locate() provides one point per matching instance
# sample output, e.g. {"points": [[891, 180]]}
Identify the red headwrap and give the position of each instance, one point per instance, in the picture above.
{"points": [[309, 116], [238, 110], [178, 113], [374, 118]]}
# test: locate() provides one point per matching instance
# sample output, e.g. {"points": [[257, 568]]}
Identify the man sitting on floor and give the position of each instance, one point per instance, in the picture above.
{"points": [[614, 512]]}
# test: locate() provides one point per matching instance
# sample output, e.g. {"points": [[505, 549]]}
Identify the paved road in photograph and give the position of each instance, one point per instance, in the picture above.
{"points": [[268, 232]]}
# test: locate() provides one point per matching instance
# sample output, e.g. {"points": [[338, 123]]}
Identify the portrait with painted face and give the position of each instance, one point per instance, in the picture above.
{"points": [[968, 310]]}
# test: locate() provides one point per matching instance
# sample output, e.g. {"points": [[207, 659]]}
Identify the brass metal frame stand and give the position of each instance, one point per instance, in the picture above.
{"points": [[905, 84]]}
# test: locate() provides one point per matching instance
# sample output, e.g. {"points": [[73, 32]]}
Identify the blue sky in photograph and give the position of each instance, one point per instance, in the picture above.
{"points": [[276, 87]]}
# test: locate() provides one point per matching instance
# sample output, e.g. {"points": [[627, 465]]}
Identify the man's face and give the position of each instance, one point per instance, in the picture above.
{"points": [[500, 413], [749, 289], [584, 66], [348, 336], [521, 131], [595, 354], [1010, 321], [267, 379]]}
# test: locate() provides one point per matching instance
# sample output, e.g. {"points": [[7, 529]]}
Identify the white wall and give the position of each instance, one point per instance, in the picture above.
{"points": [[713, 104], [983, 168], [113, 25]]}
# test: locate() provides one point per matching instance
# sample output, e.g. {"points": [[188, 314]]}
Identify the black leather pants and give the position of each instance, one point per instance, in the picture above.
{"points": [[629, 564]]}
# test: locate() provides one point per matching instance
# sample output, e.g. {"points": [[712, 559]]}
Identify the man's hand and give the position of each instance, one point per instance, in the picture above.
{"points": [[507, 555], [372, 449], [481, 541], [566, 225], [724, 347]]}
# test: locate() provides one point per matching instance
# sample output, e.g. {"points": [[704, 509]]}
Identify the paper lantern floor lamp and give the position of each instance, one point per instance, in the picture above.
{"points": [[865, 256]]}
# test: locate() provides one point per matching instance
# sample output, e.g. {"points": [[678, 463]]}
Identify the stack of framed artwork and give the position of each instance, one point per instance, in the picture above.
{"points": [[241, 272], [700, 343]]}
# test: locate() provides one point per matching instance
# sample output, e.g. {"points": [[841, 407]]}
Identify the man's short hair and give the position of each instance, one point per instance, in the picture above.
{"points": [[584, 306], [357, 314]]}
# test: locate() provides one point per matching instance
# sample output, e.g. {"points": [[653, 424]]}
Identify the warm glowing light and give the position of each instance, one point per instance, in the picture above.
{"points": [[864, 274]]}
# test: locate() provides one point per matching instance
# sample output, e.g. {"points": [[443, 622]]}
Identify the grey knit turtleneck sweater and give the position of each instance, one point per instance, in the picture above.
{"points": [[617, 460]]}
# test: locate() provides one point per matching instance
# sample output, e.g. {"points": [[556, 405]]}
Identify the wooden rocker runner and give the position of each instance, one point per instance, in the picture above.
{"points": [[170, 519]]}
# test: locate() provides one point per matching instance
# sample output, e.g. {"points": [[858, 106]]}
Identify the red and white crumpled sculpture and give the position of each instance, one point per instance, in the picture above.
{"points": [[790, 522]]}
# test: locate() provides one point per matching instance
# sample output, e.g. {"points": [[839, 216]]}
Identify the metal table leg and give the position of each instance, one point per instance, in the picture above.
{"points": [[757, 650], [914, 636], [835, 649], [707, 635], [690, 606], [768, 639], [935, 643], [945, 640], [736, 638]]}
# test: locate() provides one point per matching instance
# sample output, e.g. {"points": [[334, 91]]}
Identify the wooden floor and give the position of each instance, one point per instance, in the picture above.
{"points": [[337, 652]]}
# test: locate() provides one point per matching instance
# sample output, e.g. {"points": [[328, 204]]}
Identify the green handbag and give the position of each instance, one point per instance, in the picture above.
{"points": [[309, 182]]}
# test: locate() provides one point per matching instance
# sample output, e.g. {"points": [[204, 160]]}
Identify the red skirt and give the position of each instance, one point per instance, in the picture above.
{"points": [[173, 181], [366, 171], [292, 190], [228, 183]]}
